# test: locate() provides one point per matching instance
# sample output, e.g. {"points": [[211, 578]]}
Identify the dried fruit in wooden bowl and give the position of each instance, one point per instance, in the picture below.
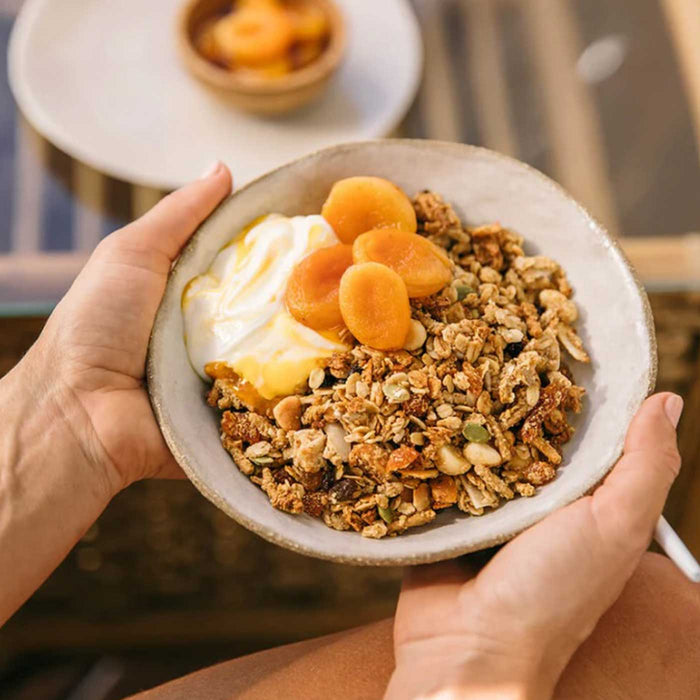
{"points": [[269, 38]]}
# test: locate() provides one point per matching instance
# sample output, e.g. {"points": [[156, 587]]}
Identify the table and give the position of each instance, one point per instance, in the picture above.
{"points": [[604, 96]]}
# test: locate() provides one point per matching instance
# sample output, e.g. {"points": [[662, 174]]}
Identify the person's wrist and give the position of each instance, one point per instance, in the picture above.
{"points": [[53, 486], [45, 414], [469, 668]]}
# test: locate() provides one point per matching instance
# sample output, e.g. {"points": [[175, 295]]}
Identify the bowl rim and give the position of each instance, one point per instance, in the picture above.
{"points": [[319, 69], [526, 521]]}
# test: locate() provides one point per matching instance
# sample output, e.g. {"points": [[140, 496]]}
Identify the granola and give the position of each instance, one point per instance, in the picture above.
{"points": [[473, 412]]}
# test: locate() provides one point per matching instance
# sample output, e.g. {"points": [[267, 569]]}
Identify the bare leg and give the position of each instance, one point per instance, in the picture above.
{"points": [[354, 665], [646, 647]]}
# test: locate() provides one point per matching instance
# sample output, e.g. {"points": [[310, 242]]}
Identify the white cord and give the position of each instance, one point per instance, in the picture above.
{"points": [[677, 552]]}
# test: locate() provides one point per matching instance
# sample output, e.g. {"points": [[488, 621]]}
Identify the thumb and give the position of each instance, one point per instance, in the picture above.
{"points": [[160, 233], [632, 497]]}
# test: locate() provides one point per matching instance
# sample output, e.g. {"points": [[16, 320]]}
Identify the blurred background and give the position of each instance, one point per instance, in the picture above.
{"points": [[602, 95]]}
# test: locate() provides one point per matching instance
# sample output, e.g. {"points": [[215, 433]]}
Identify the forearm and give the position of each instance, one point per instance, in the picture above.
{"points": [[50, 490]]}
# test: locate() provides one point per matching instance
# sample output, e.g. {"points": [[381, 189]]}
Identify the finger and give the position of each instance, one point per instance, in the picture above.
{"points": [[422, 585], [460, 569], [631, 499], [166, 227], [425, 575], [656, 420], [427, 599]]}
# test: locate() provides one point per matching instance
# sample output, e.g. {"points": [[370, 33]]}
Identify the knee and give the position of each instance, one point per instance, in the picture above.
{"points": [[660, 573], [669, 602], [647, 643]]}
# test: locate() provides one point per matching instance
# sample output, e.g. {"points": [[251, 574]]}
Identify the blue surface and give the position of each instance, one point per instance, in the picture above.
{"points": [[57, 215], [7, 141]]}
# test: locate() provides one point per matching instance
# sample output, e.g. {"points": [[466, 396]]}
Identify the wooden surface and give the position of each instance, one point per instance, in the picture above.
{"points": [[666, 263]]}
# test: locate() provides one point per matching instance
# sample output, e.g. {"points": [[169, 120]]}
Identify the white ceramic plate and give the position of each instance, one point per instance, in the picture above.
{"points": [[102, 80], [615, 325]]}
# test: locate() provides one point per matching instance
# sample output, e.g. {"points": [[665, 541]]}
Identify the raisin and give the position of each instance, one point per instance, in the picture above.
{"points": [[514, 349], [328, 478], [328, 380], [344, 490], [281, 476]]}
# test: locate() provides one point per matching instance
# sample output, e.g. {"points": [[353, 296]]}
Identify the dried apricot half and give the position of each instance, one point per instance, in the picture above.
{"points": [[359, 204], [274, 4], [254, 35], [304, 52], [309, 21], [421, 264], [312, 289], [374, 305]]}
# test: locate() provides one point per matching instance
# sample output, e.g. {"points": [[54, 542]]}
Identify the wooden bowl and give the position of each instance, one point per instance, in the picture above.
{"points": [[484, 186], [261, 95]]}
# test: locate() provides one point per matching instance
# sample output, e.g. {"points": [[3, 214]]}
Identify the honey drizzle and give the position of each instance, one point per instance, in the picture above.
{"points": [[243, 389]]}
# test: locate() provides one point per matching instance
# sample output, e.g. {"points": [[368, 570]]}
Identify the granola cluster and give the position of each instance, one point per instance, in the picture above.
{"points": [[472, 413]]}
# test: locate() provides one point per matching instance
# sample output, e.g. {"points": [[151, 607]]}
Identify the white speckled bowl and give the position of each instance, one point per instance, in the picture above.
{"points": [[484, 186]]}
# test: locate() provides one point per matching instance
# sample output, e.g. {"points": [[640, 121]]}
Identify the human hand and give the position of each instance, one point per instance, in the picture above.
{"points": [[92, 351], [509, 631]]}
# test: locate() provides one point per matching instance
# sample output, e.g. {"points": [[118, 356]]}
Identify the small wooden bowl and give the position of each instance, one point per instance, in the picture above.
{"points": [[259, 94]]}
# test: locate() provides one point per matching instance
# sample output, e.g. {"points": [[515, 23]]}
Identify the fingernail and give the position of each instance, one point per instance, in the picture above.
{"points": [[674, 408], [212, 170]]}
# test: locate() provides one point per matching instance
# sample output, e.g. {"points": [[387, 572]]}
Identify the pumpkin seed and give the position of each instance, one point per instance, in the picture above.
{"points": [[462, 291], [475, 433], [260, 461], [386, 514]]}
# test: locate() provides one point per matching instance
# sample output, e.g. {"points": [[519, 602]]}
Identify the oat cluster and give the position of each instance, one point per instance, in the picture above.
{"points": [[473, 411]]}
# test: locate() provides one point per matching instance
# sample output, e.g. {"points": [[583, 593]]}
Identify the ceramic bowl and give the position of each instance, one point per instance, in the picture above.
{"points": [[261, 95], [615, 325]]}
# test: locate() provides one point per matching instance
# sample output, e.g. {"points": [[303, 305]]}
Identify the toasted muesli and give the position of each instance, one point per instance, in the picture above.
{"points": [[471, 412]]}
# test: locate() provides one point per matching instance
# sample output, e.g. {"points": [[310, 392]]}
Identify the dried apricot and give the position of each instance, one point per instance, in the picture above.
{"points": [[359, 204], [254, 35], [275, 69], [304, 52], [275, 4], [374, 305], [421, 264], [309, 21], [206, 42], [312, 289]]}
